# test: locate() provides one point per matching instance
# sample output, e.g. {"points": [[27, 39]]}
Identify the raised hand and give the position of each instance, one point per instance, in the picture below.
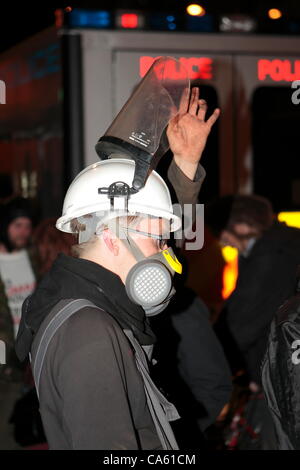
{"points": [[188, 131]]}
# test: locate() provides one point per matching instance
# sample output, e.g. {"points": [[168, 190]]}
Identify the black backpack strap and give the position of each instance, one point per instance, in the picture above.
{"points": [[59, 314], [161, 410]]}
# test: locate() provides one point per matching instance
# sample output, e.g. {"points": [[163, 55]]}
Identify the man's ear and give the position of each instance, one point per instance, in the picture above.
{"points": [[111, 241]]}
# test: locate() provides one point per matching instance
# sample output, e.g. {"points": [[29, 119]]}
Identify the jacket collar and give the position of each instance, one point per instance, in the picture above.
{"points": [[106, 290]]}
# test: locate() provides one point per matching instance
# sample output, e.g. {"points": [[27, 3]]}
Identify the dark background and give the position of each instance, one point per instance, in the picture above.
{"points": [[20, 20]]}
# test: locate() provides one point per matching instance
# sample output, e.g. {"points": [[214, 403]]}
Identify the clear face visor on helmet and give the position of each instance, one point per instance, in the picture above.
{"points": [[136, 132]]}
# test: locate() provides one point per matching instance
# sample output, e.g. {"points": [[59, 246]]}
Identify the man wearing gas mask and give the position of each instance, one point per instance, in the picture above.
{"points": [[86, 325]]}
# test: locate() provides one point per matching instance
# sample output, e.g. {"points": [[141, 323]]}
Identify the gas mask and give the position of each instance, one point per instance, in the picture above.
{"points": [[149, 282]]}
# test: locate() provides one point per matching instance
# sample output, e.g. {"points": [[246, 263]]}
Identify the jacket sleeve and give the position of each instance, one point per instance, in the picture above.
{"points": [[186, 190], [92, 383]]}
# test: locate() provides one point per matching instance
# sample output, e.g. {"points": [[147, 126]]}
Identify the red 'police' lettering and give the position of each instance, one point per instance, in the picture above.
{"points": [[196, 67], [278, 70]]}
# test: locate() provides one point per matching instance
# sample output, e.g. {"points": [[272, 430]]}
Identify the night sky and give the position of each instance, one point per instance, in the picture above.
{"points": [[20, 20]]}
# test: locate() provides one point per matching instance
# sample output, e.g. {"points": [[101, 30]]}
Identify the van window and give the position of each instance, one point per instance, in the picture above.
{"points": [[276, 154]]}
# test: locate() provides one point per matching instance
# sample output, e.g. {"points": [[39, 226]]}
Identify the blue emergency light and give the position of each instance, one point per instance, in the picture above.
{"points": [[163, 21], [78, 18]]}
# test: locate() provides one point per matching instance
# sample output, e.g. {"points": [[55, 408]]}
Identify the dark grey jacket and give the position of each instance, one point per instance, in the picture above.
{"points": [[92, 396]]}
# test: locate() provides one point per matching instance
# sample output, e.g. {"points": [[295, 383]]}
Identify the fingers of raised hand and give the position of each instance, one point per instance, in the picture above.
{"points": [[184, 101], [194, 101], [212, 119], [202, 109]]}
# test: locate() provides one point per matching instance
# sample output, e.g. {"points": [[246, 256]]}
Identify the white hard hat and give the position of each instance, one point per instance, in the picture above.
{"points": [[83, 198]]}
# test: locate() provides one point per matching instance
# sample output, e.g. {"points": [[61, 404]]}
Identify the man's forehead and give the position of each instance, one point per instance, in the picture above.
{"points": [[21, 220]]}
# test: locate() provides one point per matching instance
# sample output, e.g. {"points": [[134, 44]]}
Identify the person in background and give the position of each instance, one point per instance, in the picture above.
{"points": [[269, 253], [49, 242], [280, 371], [18, 271], [28, 429], [17, 259]]}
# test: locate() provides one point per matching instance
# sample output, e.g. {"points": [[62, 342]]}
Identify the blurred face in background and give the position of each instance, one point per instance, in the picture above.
{"points": [[229, 239], [19, 232], [238, 237]]}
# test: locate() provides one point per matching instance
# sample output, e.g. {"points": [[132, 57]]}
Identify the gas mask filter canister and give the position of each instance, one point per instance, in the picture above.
{"points": [[149, 282]]}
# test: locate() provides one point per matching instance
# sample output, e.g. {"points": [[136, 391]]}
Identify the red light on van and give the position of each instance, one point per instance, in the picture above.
{"points": [[129, 20], [196, 67], [278, 70]]}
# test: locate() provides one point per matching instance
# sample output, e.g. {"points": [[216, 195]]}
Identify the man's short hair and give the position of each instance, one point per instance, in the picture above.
{"points": [[78, 226], [226, 212]]}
